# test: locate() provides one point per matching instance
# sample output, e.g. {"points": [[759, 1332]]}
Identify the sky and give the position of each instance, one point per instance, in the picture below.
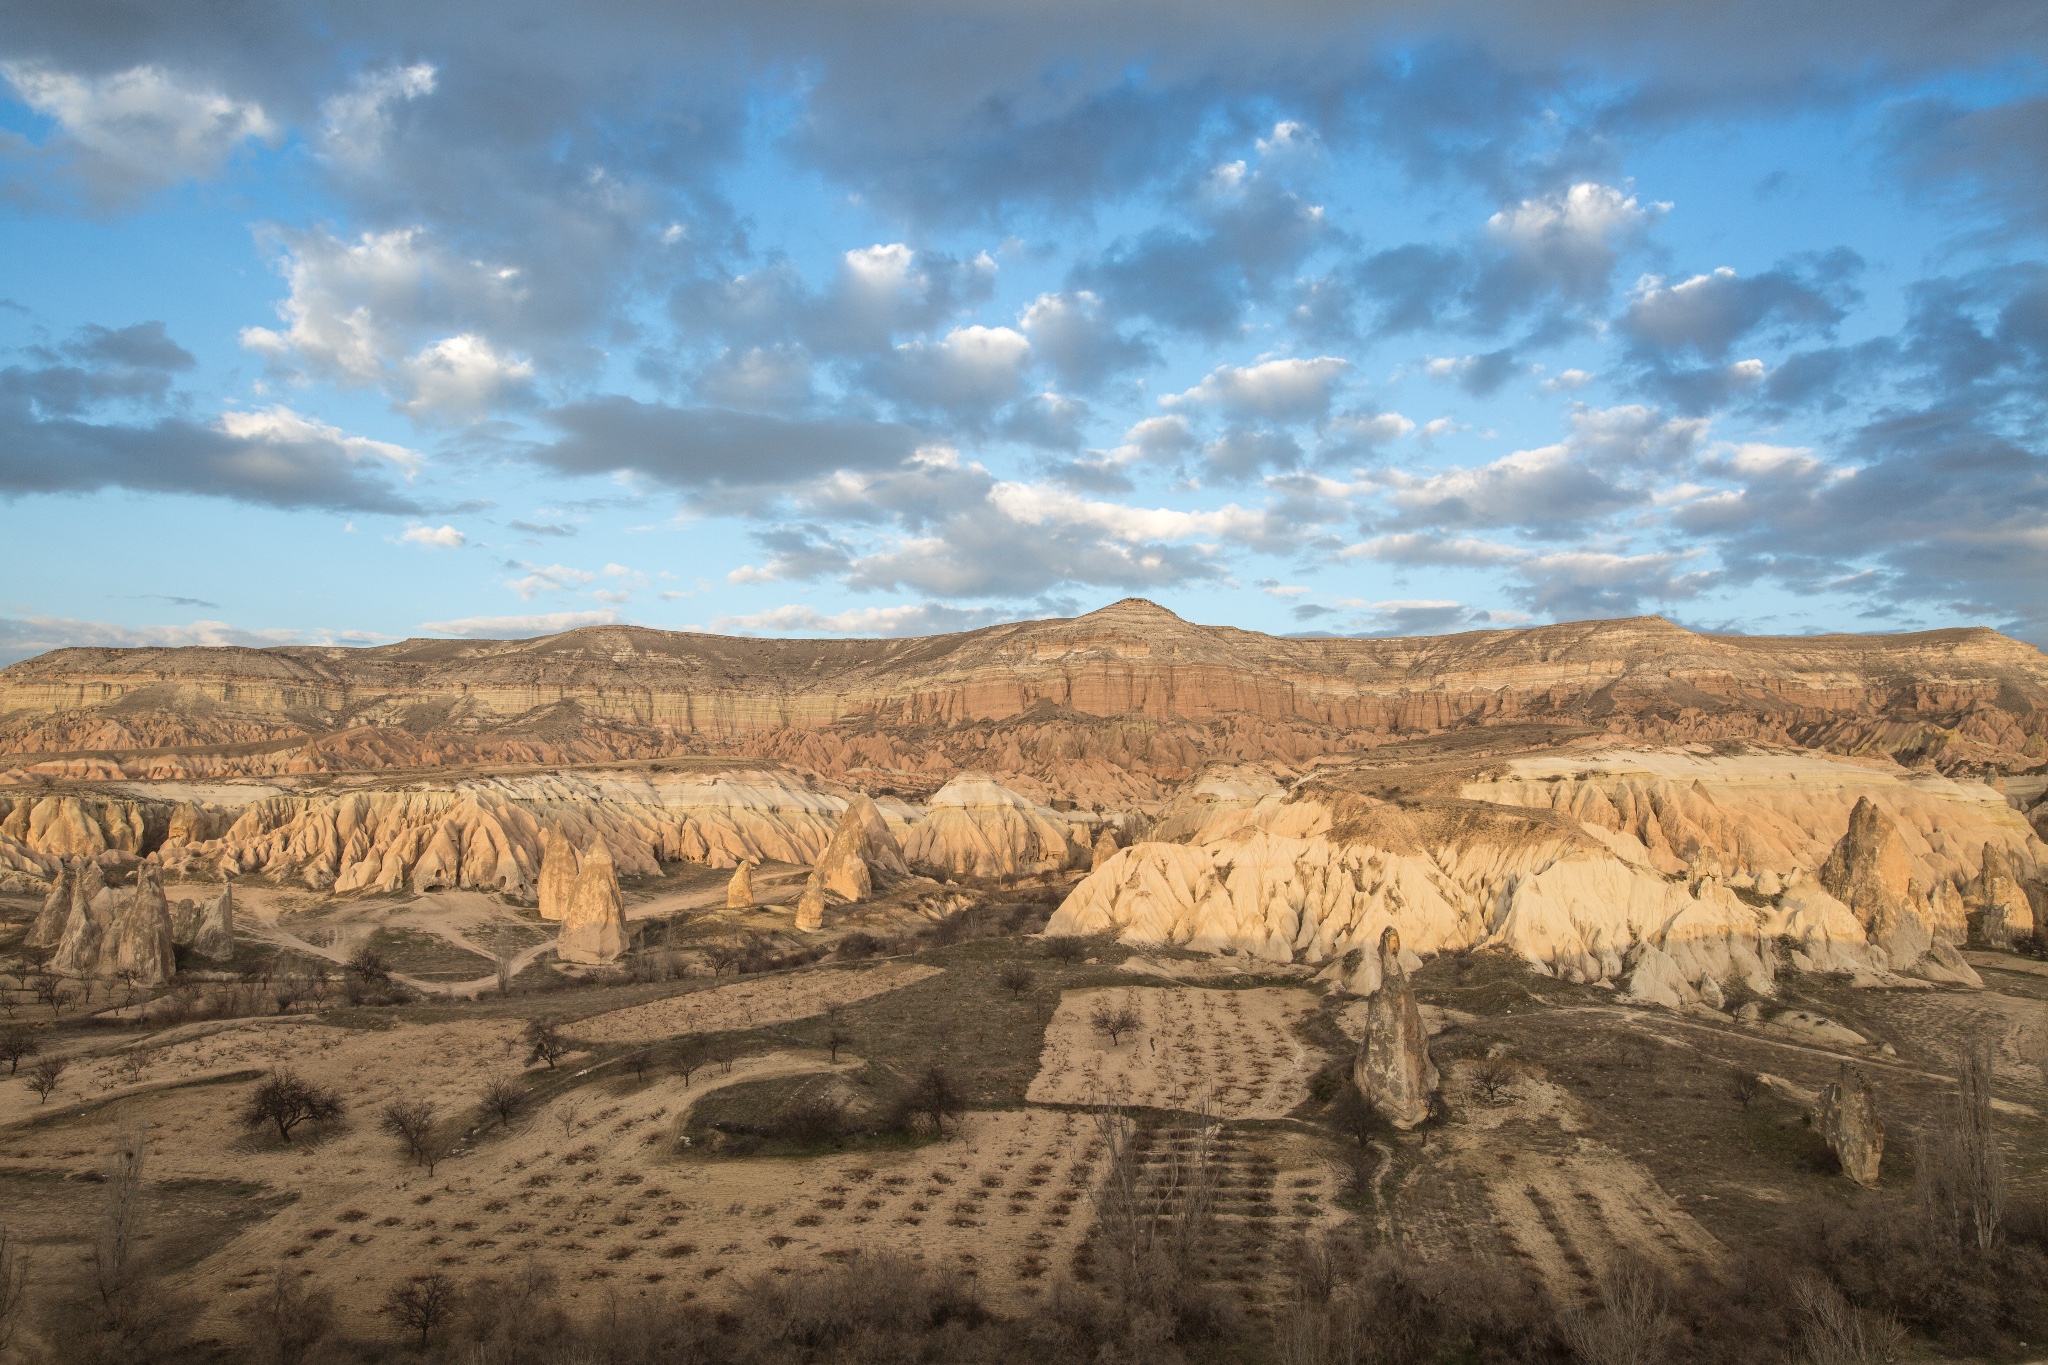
{"points": [[344, 324]]}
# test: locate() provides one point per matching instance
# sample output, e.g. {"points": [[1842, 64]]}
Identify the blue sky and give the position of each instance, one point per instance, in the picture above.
{"points": [[351, 325]]}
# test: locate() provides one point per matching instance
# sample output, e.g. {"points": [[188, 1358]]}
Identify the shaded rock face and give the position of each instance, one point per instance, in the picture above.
{"points": [[1105, 849], [739, 892], [48, 930], [810, 906], [111, 934], [213, 930], [558, 868], [1393, 1071], [1848, 1121], [1869, 870], [1997, 895], [594, 922]]}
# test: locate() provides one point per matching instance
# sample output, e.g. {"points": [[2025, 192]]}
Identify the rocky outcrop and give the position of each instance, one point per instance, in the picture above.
{"points": [[1999, 900], [117, 934], [1105, 849], [1394, 1071], [558, 868], [810, 905], [207, 928], [976, 827], [48, 929], [861, 841], [739, 892], [1848, 1122], [1869, 870], [594, 922]]}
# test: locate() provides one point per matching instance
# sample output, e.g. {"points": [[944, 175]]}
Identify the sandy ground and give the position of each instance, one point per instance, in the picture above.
{"points": [[1240, 1047], [749, 1004]]}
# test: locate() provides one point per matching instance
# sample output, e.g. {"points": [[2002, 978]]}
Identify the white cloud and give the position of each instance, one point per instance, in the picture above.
{"points": [[358, 122], [921, 618], [137, 130], [515, 627], [1568, 380], [1288, 390], [1045, 505], [442, 537], [279, 425], [1418, 548], [1285, 590], [553, 578], [461, 376], [23, 637]]}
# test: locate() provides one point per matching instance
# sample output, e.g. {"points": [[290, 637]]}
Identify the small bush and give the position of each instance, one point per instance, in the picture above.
{"points": [[1016, 978], [1066, 948], [857, 946], [812, 1121]]}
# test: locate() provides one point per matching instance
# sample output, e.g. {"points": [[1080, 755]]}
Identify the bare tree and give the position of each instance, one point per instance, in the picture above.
{"points": [[1833, 1332], [1114, 1021], [16, 1045], [566, 1114], [545, 1043], [412, 1122], [1745, 1086], [934, 1096], [291, 1319], [422, 1304], [44, 1075], [688, 1057], [502, 965], [1016, 978], [1066, 948], [13, 1287], [284, 1101], [1493, 1079], [836, 1038], [1961, 1170], [116, 1253], [1630, 1327], [505, 1097]]}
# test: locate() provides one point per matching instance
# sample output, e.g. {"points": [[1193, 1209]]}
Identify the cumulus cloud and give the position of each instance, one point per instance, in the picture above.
{"points": [[128, 133], [1070, 332], [1706, 314], [358, 121], [439, 537], [462, 376], [1287, 390], [965, 374], [519, 627]]}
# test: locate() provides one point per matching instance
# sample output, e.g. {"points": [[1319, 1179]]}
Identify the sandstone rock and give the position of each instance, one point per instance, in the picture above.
{"points": [[974, 826], [1848, 1122], [1869, 870], [1656, 980], [1948, 914], [810, 906], [861, 836], [1997, 896], [739, 892], [558, 868], [85, 925], [594, 922], [1817, 1028], [213, 936], [48, 929], [139, 945], [1105, 849], [1394, 1071]]}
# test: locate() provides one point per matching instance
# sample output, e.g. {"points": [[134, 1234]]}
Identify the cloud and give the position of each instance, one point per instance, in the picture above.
{"points": [[713, 448], [1288, 390], [1706, 314], [910, 619], [462, 376], [23, 637], [359, 120], [519, 627], [758, 378], [552, 578], [129, 133], [965, 374], [1070, 332], [543, 528], [441, 537]]}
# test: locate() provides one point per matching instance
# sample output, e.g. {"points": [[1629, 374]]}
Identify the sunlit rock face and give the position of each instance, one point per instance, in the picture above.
{"points": [[975, 826], [1685, 874]]}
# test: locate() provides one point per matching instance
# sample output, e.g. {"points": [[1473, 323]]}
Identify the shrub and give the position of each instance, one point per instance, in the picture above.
{"points": [[812, 1121], [858, 945], [1066, 948], [545, 1042], [422, 1304], [1016, 978], [504, 1098], [932, 1098], [1113, 1020], [18, 1044], [284, 1101]]}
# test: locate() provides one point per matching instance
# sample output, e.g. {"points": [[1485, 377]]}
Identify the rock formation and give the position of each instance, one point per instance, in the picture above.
{"points": [[1848, 1122], [207, 928], [974, 826], [558, 868], [594, 922], [1394, 1072], [48, 929], [112, 934], [739, 892], [810, 906], [860, 842], [1105, 849], [1869, 870], [1998, 898]]}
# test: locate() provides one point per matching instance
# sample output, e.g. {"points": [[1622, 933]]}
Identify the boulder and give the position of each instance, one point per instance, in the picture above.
{"points": [[48, 930], [1870, 870], [558, 869], [1848, 1122], [1998, 897], [739, 892], [810, 906], [1393, 1071], [594, 922]]}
